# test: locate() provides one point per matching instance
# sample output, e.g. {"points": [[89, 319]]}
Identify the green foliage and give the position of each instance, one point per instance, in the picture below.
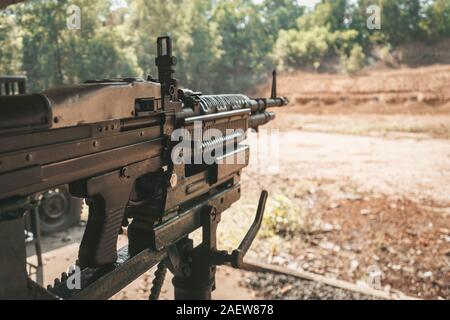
{"points": [[280, 15], [282, 218], [221, 45], [10, 45], [437, 21], [197, 41], [302, 47], [53, 55], [319, 35], [354, 61], [198, 45], [320, 17], [339, 29], [337, 11], [148, 20], [246, 42], [401, 20]]}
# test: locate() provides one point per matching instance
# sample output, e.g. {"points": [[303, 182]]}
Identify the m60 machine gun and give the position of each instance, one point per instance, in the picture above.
{"points": [[147, 156]]}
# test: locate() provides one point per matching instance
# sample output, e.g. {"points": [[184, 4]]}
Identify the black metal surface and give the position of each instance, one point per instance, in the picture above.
{"points": [[38, 139], [236, 258], [165, 62], [50, 149], [199, 282], [260, 119], [12, 85], [102, 283], [91, 103], [24, 113], [222, 102], [106, 211], [39, 178], [13, 273], [189, 220], [37, 244], [216, 116], [273, 92], [240, 252], [158, 281]]}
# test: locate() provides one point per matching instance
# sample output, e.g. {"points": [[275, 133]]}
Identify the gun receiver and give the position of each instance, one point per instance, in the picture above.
{"points": [[117, 143]]}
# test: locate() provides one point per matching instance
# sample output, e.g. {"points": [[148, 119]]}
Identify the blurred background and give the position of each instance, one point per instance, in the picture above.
{"points": [[362, 181], [220, 45]]}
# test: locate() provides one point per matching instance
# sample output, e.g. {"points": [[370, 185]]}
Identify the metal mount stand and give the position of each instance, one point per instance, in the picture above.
{"points": [[195, 275], [36, 269], [193, 268]]}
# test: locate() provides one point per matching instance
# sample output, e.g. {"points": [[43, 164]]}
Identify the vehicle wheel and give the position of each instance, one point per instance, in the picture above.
{"points": [[59, 211]]}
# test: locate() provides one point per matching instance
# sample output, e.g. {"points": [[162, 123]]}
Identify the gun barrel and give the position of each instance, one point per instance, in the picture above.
{"points": [[261, 104], [260, 119]]}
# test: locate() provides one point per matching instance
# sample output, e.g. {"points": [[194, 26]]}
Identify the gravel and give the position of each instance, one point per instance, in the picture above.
{"points": [[281, 287]]}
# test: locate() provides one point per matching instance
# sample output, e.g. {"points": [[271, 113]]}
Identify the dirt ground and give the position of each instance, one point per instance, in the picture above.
{"points": [[358, 171], [364, 163], [363, 203]]}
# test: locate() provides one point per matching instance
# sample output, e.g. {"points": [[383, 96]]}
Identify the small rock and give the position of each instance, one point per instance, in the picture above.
{"points": [[333, 205], [362, 284], [66, 239], [310, 256], [365, 212], [291, 265], [354, 197], [407, 269], [327, 227], [326, 245], [286, 289], [354, 265], [396, 267], [278, 260], [425, 275], [347, 247]]}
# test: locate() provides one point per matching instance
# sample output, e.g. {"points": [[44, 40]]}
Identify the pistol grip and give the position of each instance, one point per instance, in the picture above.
{"points": [[107, 196], [98, 246]]}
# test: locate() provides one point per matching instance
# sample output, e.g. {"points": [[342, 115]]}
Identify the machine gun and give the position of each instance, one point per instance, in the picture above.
{"points": [[146, 155]]}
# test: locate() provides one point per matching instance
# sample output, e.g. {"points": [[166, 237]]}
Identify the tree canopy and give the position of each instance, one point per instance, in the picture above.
{"points": [[221, 45]]}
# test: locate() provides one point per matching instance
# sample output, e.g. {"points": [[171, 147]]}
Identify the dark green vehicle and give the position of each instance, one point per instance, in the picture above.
{"points": [[58, 210]]}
